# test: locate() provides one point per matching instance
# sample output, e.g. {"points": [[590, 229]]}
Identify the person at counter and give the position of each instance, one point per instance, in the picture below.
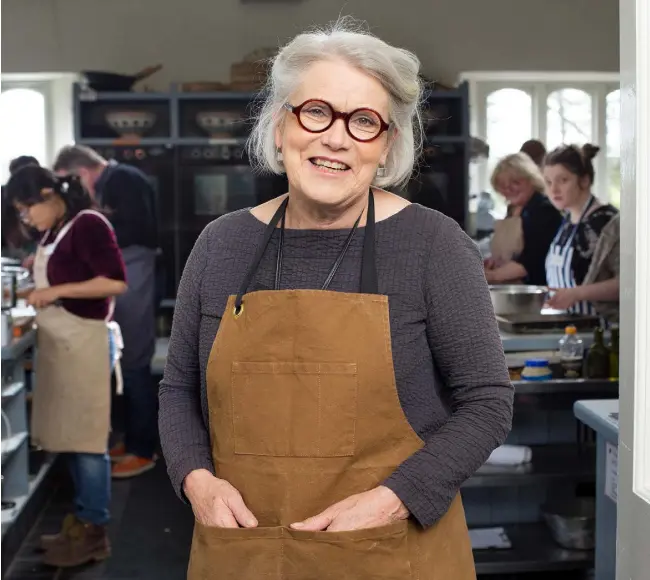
{"points": [[128, 196], [295, 405], [78, 270], [569, 175], [18, 240], [521, 240]]}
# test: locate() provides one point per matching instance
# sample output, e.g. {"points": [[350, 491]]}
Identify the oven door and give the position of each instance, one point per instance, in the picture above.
{"points": [[215, 181]]}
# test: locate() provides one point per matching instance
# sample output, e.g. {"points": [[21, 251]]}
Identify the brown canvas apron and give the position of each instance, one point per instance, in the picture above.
{"points": [[72, 394], [304, 412]]}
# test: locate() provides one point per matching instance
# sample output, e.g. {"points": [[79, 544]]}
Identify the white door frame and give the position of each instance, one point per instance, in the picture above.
{"points": [[633, 526]]}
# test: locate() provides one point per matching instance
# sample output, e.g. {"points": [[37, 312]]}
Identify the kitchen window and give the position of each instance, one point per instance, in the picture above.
{"points": [[23, 125], [510, 108], [35, 116]]}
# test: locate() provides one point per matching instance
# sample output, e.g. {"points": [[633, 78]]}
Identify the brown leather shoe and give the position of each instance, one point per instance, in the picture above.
{"points": [[47, 540], [82, 543]]}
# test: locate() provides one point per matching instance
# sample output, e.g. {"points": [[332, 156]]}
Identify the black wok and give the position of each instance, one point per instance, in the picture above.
{"points": [[106, 81]]}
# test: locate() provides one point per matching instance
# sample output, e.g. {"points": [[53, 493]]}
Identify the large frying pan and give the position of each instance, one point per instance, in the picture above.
{"points": [[107, 81]]}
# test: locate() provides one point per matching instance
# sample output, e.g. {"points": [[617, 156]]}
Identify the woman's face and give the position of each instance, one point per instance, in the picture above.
{"points": [[43, 215], [331, 168], [563, 188], [516, 189]]}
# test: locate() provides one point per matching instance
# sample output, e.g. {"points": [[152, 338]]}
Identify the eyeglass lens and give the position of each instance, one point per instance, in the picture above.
{"points": [[363, 124]]}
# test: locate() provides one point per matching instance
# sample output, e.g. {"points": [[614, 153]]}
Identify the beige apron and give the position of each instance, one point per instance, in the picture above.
{"points": [[72, 396], [304, 412], [508, 240]]}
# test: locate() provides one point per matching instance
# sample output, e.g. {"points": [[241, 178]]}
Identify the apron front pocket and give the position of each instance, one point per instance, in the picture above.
{"points": [[294, 409], [235, 553], [372, 554]]}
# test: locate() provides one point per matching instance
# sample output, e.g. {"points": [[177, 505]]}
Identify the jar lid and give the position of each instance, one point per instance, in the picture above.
{"points": [[536, 362]]}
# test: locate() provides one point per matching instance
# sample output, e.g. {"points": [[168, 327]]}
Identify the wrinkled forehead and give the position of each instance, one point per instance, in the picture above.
{"points": [[345, 87]]}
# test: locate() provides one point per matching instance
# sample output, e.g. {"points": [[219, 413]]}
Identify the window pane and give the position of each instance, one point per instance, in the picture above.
{"points": [[568, 118], [509, 125], [22, 126], [613, 129]]}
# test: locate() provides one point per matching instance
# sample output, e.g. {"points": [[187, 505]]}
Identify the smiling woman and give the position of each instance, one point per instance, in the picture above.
{"points": [[338, 418]]}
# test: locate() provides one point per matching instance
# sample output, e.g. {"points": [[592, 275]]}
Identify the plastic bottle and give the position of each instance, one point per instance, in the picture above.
{"points": [[572, 351]]}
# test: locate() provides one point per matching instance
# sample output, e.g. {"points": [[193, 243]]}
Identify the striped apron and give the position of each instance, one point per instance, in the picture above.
{"points": [[559, 270]]}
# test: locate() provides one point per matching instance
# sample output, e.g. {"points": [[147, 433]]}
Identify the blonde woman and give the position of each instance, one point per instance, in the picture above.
{"points": [[521, 240]]}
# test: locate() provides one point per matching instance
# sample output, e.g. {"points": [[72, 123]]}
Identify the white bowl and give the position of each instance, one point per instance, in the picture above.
{"points": [[218, 123], [131, 123]]}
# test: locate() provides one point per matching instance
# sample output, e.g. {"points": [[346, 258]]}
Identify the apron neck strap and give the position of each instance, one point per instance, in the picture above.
{"points": [[369, 283]]}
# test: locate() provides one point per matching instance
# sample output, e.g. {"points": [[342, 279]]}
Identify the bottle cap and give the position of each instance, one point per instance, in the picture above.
{"points": [[571, 329], [536, 362]]}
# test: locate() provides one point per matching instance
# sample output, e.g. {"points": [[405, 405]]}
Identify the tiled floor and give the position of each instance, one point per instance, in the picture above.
{"points": [[150, 533]]}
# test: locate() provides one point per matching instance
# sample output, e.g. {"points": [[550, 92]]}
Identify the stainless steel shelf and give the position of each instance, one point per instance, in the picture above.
{"points": [[10, 515], [533, 550], [18, 346], [549, 462], [564, 386], [12, 389], [13, 444]]}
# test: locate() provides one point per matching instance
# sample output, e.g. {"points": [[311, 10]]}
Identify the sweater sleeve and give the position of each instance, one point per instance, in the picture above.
{"points": [[184, 435], [466, 346]]}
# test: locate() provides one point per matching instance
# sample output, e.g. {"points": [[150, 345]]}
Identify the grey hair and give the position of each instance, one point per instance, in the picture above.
{"points": [[395, 68]]}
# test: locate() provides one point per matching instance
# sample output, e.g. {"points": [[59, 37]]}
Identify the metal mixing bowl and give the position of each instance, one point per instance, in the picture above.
{"points": [[572, 522], [517, 299]]}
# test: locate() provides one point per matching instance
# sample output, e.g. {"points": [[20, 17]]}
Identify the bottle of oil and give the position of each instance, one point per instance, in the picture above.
{"points": [[613, 354], [598, 357]]}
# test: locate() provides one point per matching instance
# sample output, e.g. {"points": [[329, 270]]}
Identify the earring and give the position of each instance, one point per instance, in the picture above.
{"points": [[279, 157], [381, 171]]}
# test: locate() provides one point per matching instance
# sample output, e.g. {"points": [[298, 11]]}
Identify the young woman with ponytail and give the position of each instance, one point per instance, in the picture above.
{"points": [[569, 176], [78, 270]]}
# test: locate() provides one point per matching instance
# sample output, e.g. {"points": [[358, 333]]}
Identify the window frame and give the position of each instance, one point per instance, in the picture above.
{"points": [[539, 85]]}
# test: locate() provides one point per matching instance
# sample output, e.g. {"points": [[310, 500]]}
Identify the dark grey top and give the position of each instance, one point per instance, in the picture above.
{"points": [[450, 368]]}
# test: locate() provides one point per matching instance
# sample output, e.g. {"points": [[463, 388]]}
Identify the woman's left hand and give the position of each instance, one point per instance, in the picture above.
{"points": [[43, 297], [564, 298], [371, 509]]}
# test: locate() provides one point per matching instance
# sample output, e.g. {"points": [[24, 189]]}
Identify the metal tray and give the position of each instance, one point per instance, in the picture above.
{"points": [[537, 323]]}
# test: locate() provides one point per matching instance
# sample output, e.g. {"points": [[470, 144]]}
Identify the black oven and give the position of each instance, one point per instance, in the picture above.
{"points": [[157, 162], [216, 180]]}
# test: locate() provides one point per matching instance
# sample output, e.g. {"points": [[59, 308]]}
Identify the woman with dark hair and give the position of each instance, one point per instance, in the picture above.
{"points": [[568, 176], [78, 270]]}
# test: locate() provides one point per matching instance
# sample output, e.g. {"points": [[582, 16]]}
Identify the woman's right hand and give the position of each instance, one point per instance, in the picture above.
{"points": [[215, 502]]}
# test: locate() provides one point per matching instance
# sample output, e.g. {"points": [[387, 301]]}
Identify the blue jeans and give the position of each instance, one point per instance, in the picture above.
{"points": [[141, 412], [91, 476]]}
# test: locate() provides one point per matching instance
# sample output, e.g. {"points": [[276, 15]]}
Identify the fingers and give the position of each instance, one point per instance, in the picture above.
{"points": [[316, 523], [241, 513], [225, 519]]}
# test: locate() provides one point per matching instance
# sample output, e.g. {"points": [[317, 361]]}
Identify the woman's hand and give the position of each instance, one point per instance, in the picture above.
{"points": [[489, 264], [43, 297], [564, 298], [215, 502], [371, 509]]}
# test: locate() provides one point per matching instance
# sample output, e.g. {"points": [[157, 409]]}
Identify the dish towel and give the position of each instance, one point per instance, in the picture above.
{"points": [[510, 455]]}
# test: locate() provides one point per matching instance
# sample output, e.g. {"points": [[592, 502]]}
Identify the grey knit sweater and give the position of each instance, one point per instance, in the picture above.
{"points": [[450, 368]]}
